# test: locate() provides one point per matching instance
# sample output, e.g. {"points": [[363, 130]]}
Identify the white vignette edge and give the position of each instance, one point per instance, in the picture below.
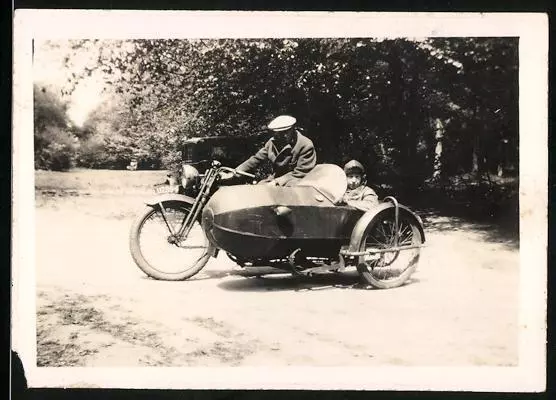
{"points": [[532, 30]]}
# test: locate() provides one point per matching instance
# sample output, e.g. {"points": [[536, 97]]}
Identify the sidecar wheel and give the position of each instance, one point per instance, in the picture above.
{"points": [[391, 268], [159, 257]]}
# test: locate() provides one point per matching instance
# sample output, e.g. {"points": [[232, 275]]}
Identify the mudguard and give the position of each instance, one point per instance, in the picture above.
{"points": [[364, 221], [170, 197]]}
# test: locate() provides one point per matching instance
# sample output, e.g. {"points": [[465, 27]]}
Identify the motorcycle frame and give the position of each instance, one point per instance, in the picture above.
{"points": [[197, 206], [204, 193]]}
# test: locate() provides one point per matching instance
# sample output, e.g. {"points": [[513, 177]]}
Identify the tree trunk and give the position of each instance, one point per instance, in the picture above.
{"points": [[475, 165], [475, 155], [475, 146], [503, 156], [439, 134]]}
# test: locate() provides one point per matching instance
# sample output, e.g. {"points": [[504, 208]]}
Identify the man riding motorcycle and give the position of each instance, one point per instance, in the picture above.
{"points": [[291, 154]]}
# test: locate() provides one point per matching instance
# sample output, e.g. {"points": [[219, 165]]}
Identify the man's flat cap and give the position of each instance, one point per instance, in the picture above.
{"points": [[282, 123]]}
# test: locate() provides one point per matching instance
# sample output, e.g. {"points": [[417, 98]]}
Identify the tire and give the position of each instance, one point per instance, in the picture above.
{"points": [[390, 269], [144, 254]]}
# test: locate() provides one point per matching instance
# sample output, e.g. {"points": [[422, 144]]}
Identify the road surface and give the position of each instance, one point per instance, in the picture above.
{"points": [[96, 308]]}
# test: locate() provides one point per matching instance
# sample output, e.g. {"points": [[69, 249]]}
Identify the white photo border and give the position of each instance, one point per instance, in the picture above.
{"points": [[532, 31]]}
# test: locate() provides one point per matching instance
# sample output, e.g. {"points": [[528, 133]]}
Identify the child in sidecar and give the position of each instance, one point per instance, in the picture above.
{"points": [[357, 194]]}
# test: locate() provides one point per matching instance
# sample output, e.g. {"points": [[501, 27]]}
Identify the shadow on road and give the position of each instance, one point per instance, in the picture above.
{"points": [[504, 233], [283, 282], [207, 274], [248, 273], [493, 218], [270, 280]]}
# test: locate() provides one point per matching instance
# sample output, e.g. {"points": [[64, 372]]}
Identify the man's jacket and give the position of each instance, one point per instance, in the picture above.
{"points": [[289, 164]]}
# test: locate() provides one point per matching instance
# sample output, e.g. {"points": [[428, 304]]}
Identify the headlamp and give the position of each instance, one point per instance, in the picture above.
{"points": [[189, 176]]}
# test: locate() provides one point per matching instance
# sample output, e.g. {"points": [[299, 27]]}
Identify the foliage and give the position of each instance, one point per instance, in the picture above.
{"points": [[54, 143], [375, 100]]}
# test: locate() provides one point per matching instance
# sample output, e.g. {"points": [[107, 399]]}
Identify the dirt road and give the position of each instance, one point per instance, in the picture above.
{"points": [[96, 308]]}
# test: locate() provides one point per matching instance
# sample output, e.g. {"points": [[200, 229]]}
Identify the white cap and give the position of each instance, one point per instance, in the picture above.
{"points": [[282, 123]]}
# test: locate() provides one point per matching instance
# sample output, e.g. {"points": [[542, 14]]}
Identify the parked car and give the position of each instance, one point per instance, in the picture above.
{"points": [[197, 155], [199, 152]]}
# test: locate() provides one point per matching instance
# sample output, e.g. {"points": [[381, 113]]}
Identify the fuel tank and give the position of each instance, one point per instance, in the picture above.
{"points": [[263, 221]]}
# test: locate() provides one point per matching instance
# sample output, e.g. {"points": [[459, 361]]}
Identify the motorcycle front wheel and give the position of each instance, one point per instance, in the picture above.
{"points": [[156, 249]]}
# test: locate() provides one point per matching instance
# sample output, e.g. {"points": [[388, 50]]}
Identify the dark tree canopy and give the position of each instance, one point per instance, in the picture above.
{"points": [[409, 110]]}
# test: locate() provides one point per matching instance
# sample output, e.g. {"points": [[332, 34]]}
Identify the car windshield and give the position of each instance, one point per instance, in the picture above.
{"points": [[328, 179]]}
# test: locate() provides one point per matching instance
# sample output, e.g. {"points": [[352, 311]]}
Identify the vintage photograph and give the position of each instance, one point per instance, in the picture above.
{"points": [[289, 201]]}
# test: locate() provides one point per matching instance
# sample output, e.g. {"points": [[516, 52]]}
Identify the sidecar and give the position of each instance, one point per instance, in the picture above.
{"points": [[304, 228]]}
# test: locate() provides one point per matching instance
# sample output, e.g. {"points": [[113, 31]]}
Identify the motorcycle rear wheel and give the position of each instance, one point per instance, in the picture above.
{"points": [[155, 251]]}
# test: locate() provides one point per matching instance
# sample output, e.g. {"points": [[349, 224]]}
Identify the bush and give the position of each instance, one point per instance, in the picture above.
{"points": [[100, 152], [91, 153], [55, 144], [171, 161], [54, 149]]}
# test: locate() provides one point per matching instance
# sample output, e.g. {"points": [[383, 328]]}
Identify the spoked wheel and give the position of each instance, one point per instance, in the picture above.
{"points": [[389, 269], [158, 251]]}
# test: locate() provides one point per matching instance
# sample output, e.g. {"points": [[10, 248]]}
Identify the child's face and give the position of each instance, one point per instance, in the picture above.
{"points": [[354, 180]]}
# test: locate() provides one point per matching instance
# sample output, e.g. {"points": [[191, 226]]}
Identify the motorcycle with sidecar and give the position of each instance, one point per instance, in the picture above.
{"points": [[302, 229]]}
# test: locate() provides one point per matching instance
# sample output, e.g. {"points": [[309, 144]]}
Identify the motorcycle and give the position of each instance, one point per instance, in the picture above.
{"points": [[301, 229]]}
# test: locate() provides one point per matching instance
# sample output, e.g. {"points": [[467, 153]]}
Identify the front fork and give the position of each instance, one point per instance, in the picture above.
{"points": [[196, 208], [163, 212]]}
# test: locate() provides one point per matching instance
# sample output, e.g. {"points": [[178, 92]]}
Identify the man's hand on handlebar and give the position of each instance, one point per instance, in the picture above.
{"points": [[229, 173], [247, 174], [225, 175]]}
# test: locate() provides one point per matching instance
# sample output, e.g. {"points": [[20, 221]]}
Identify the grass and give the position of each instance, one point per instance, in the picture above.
{"points": [[81, 315], [91, 181], [71, 328], [101, 193]]}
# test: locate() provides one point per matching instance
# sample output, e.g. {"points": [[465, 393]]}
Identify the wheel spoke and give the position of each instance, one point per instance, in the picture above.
{"points": [[405, 235], [392, 234], [376, 241], [384, 235]]}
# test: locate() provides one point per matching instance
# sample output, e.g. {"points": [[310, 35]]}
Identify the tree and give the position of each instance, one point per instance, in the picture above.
{"points": [[375, 100], [54, 144], [486, 94]]}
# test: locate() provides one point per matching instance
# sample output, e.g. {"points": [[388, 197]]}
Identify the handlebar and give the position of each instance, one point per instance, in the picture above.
{"points": [[236, 172]]}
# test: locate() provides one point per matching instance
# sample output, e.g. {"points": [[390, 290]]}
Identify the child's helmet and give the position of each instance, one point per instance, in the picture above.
{"points": [[354, 166]]}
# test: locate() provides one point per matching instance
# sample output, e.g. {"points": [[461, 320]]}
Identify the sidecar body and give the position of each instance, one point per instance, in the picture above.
{"points": [[263, 221]]}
